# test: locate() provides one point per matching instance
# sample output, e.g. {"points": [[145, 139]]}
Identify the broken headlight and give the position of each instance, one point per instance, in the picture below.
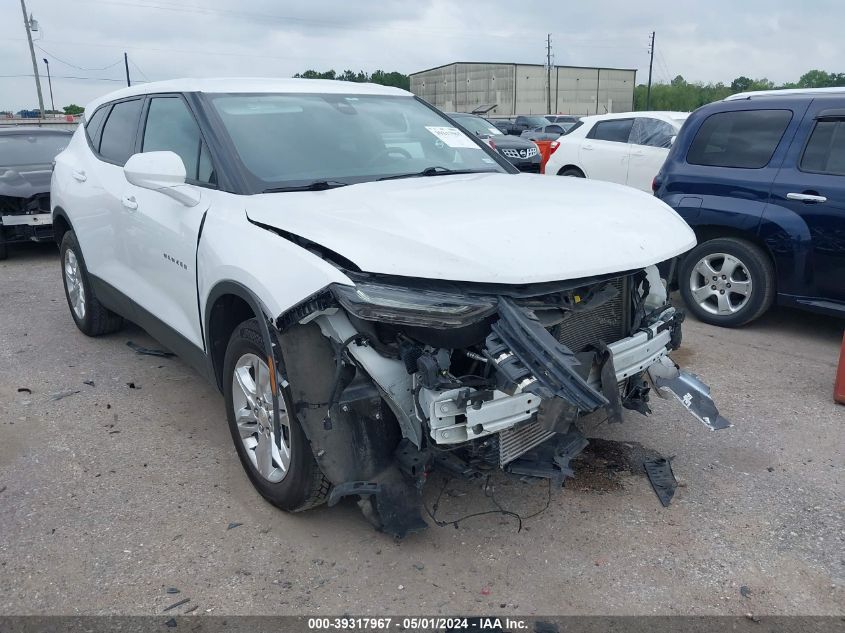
{"points": [[407, 306]]}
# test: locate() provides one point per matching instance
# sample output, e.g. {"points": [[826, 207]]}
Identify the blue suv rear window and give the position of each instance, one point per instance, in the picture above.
{"points": [[745, 138]]}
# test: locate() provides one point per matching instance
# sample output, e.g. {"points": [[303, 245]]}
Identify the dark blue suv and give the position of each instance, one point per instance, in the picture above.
{"points": [[760, 178]]}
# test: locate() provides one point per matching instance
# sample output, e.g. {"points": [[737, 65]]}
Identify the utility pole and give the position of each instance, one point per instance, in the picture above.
{"points": [[126, 66], [50, 83], [549, 71], [27, 22], [650, 64]]}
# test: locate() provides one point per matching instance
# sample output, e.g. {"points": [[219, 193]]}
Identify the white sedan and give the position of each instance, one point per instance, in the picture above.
{"points": [[627, 148]]}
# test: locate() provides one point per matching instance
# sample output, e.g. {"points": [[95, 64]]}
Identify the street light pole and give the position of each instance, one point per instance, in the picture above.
{"points": [[28, 25], [50, 83]]}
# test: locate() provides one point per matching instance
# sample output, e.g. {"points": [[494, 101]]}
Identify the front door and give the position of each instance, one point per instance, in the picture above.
{"points": [[163, 232], [650, 140], [810, 187]]}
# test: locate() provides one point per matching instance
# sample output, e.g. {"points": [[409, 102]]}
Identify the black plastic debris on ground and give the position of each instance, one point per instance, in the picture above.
{"points": [[662, 479], [176, 604], [147, 351], [233, 525], [24, 390]]}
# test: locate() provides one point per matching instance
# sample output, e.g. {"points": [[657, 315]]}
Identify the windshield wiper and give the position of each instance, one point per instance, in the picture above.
{"points": [[437, 170], [317, 185]]}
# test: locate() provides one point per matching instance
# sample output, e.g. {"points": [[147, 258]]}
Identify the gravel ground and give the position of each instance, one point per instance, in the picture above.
{"points": [[111, 495]]}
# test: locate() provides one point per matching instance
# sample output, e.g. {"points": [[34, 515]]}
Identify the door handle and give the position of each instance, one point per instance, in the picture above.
{"points": [[806, 197], [640, 153], [79, 175], [130, 203], [589, 147]]}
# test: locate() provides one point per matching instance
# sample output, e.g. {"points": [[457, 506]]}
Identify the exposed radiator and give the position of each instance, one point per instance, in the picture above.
{"points": [[607, 322], [515, 441]]}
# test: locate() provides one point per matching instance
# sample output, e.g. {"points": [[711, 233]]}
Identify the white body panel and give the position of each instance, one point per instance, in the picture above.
{"points": [[643, 164], [490, 228]]}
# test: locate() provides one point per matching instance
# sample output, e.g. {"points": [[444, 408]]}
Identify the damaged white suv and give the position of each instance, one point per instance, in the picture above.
{"points": [[374, 290]]}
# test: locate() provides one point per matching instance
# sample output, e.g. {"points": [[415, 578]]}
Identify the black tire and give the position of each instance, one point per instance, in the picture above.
{"points": [[96, 319], [756, 266], [304, 486], [573, 172], [4, 252]]}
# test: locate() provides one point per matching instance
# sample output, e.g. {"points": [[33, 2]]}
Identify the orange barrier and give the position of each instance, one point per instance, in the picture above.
{"points": [[545, 148], [839, 387]]}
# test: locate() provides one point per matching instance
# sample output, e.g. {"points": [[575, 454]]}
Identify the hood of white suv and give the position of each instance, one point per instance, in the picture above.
{"points": [[486, 228]]}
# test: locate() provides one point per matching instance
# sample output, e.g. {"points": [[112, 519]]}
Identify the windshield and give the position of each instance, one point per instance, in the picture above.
{"points": [[477, 125], [17, 150], [289, 140]]}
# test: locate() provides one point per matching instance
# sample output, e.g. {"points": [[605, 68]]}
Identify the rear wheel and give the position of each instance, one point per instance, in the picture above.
{"points": [[727, 281], [573, 172], [284, 472], [90, 316]]}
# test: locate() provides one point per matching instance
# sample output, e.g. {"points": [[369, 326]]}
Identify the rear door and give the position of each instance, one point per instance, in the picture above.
{"points": [[104, 244], [604, 152], [808, 200], [649, 144]]}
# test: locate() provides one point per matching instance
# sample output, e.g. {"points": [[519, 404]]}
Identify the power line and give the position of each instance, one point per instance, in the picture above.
{"points": [[64, 77], [67, 63], [143, 74]]}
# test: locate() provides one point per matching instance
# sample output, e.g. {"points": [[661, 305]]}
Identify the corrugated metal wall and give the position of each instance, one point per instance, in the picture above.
{"points": [[521, 88]]}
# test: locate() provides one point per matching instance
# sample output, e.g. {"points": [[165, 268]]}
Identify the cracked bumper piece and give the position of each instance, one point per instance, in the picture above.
{"points": [[689, 390]]}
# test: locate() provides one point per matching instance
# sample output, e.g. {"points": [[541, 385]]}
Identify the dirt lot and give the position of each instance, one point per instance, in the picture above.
{"points": [[110, 495]]}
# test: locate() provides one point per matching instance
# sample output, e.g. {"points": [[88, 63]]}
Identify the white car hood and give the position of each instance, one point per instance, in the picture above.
{"points": [[492, 228]]}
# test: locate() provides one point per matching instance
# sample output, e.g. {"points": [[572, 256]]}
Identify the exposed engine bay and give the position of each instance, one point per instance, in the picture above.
{"points": [[392, 378]]}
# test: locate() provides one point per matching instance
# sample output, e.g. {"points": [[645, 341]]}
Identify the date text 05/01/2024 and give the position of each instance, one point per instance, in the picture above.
{"points": [[412, 624]]}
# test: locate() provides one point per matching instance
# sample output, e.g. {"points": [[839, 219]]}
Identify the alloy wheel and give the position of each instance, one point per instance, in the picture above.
{"points": [[721, 284], [253, 405], [73, 282]]}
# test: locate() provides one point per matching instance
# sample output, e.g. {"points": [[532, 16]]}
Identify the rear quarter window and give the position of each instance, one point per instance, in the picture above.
{"points": [[745, 139], [825, 150]]}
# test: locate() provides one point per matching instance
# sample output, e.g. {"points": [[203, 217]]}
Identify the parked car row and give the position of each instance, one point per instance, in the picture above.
{"points": [[522, 153]]}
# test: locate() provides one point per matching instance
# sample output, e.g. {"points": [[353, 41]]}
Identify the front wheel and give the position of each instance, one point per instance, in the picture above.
{"points": [[284, 472], [727, 281]]}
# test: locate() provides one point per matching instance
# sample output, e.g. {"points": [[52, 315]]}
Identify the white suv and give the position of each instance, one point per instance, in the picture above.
{"points": [[374, 290]]}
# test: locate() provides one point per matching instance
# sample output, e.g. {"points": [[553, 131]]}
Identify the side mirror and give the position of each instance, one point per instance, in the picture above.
{"points": [[163, 172]]}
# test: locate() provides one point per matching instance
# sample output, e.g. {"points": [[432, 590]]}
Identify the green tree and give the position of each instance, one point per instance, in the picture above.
{"points": [[73, 109], [393, 78]]}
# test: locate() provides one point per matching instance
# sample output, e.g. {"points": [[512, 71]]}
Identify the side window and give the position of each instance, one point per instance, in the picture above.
{"points": [[118, 142], [746, 138], [95, 126], [555, 129], [652, 132], [170, 127], [825, 151], [617, 130]]}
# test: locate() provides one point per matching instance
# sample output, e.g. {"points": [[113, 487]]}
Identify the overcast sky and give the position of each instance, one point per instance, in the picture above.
{"points": [[706, 40]]}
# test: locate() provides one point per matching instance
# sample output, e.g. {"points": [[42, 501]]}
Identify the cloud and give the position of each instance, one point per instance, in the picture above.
{"points": [[714, 41]]}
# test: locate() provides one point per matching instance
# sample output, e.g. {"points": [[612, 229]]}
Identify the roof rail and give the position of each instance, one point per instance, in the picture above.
{"points": [[785, 92]]}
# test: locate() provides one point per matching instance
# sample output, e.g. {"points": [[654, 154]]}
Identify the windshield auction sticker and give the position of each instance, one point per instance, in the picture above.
{"points": [[452, 136]]}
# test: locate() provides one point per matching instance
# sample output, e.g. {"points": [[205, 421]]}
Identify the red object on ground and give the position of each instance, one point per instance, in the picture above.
{"points": [[839, 387]]}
